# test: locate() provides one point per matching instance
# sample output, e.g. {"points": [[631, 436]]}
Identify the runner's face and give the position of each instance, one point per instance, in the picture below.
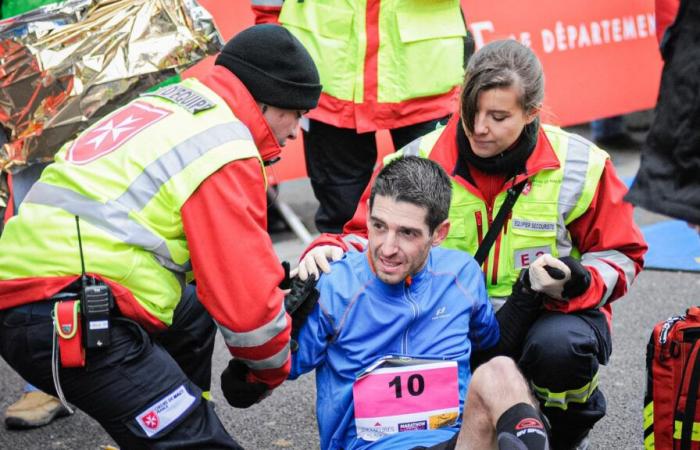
{"points": [[284, 123], [498, 122], [399, 239]]}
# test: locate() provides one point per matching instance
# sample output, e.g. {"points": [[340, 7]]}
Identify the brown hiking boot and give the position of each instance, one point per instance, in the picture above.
{"points": [[34, 409]]}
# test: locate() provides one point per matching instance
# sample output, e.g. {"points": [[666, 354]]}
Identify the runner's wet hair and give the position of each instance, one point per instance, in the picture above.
{"points": [[418, 181], [501, 64]]}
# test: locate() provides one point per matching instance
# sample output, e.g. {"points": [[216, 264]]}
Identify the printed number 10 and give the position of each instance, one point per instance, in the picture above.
{"points": [[415, 385]]}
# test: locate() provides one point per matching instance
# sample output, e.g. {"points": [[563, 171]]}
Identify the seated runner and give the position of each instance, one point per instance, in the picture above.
{"points": [[392, 334], [570, 216]]}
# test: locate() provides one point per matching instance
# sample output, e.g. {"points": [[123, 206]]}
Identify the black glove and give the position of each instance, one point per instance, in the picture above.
{"points": [[286, 281], [518, 314], [299, 303], [238, 392], [301, 292], [522, 294], [580, 278], [515, 318]]}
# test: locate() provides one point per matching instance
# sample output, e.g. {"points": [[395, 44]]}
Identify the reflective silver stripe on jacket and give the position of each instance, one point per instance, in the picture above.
{"points": [[267, 2], [110, 217], [572, 184], [497, 302], [113, 216], [273, 362], [412, 148], [175, 160], [607, 272], [258, 336], [351, 239]]}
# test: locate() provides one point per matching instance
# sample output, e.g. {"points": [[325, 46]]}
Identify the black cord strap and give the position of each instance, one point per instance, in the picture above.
{"points": [[497, 225]]}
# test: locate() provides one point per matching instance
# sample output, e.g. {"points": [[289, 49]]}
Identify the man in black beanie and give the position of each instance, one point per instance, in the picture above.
{"points": [[282, 75], [186, 195], [277, 71]]}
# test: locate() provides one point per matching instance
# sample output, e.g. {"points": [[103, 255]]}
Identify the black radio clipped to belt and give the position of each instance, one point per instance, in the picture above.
{"points": [[96, 304]]}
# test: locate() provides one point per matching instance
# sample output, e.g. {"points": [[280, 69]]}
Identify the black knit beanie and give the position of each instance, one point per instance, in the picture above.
{"points": [[274, 66]]}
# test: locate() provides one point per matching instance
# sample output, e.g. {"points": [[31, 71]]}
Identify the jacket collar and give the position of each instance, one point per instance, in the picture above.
{"points": [[227, 86], [543, 157], [414, 284]]}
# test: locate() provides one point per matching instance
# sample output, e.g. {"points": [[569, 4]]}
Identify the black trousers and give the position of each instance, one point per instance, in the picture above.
{"points": [[145, 390], [340, 161], [562, 354]]}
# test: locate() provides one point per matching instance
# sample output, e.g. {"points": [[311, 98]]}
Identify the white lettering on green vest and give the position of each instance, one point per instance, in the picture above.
{"points": [[533, 225], [182, 96]]}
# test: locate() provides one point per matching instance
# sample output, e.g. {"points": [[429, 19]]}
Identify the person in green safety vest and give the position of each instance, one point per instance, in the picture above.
{"points": [[167, 189], [569, 227], [34, 408], [384, 65]]}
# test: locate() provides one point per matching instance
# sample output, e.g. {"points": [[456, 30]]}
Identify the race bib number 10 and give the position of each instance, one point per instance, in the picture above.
{"points": [[405, 395]]}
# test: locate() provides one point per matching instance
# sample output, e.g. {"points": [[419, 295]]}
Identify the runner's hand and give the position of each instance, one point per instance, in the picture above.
{"points": [[317, 258]]}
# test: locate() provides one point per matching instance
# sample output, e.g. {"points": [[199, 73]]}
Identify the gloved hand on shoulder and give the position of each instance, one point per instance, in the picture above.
{"points": [[318, 258], [239, 392], [560, 279]]}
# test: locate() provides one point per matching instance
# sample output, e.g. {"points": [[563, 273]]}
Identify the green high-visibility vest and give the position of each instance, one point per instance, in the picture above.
{"points": [[555, 198], [421, 46], [127, 177]]}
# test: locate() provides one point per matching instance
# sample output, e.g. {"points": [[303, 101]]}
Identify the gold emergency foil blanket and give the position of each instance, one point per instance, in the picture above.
{"points": [[65, 65]]}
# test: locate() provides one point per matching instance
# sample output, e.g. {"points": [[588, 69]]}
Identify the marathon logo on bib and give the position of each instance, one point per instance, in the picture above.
{"points": [[164, 412], [524, 257], [413, 426], [185, 97], [533, 225]]}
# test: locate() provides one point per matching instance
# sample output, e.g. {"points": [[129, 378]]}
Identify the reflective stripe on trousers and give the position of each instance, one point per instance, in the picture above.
{"points": [[561, 400]]}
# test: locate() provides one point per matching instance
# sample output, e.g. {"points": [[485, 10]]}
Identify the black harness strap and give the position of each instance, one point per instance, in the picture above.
{"points": [[497, 225]]}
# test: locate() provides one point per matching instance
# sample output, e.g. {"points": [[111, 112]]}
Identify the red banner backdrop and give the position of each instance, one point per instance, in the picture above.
{"points": [[600, 57]]}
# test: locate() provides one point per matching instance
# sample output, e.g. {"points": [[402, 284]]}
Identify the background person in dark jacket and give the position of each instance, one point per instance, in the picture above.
{"points": [[668, 181]]}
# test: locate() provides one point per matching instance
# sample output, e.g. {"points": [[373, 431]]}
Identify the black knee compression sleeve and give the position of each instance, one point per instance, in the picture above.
{"points": [[521, 428]]}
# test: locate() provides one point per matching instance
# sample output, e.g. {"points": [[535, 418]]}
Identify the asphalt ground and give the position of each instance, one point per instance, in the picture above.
{"points": [[286, 419]]}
